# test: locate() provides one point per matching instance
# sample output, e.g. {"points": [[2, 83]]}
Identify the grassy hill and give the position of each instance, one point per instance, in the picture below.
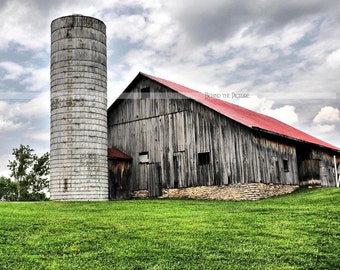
{"points": [[296, 231]]}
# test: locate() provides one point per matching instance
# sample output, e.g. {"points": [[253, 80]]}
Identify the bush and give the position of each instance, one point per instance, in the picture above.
{"points": [[8, 189]]}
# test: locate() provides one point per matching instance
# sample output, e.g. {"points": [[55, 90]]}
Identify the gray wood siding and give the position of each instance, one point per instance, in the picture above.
{"points": [[160, 136], [327, 170], [132, 107], [238, 155], [174, 130], [269, 161]]}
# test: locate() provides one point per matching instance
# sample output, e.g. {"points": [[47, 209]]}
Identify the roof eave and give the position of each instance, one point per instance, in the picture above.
{"points": [[294, 139]]}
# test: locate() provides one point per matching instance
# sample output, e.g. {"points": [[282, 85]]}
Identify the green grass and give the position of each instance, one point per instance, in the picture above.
{"points": [[297, 231]]}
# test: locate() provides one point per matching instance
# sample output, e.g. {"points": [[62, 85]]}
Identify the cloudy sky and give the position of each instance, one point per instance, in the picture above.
{"points": [[284, 56]]}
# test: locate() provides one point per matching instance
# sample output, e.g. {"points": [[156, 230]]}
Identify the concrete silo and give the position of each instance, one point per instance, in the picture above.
{"points": [[78, 160]]}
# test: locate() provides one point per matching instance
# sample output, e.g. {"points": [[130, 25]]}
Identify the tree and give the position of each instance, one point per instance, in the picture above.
{"points": [[8, 189], [30, 173]]}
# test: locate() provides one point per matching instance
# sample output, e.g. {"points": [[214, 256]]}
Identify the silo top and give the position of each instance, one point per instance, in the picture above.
{"points": [[78, 21]]}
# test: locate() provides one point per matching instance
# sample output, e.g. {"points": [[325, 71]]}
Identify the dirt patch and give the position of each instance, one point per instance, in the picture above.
{"points": [[236, 192]]}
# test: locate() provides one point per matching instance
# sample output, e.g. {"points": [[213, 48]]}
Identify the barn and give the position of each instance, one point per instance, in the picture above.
{"points": [[178, 137]]}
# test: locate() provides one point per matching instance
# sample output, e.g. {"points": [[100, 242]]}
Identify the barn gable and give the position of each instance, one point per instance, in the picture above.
{"points": [[178, 137]]}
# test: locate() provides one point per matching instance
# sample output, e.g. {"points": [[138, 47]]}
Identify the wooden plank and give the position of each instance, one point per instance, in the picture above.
{"points": [[154, 181]]}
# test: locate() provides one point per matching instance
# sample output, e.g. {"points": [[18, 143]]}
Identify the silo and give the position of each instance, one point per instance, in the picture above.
{"points": [[78, 148]]}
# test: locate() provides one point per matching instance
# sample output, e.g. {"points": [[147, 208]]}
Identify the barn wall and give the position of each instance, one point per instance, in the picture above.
{"points": [[316, 165], [276, 161], [174, 131], [161, 137], [227, 142], [326, 163], [239, 154]]}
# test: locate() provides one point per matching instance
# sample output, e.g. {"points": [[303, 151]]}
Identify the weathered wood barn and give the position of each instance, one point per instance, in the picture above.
{"points": [[178, 137]]}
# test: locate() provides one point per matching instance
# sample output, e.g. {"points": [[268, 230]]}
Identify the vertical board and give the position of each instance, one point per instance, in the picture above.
{"points": [[180, 169], [154, 180]]}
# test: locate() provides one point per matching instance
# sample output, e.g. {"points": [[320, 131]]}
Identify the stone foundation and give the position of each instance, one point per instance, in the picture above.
{"points": [[237, 192]]}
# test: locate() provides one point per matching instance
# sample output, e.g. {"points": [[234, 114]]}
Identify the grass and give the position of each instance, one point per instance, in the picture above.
{"points": [[297, 231]]}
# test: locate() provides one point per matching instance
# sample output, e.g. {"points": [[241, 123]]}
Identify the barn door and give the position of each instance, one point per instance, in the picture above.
{"points": [[154, 180], [179, 169], [309, 169], [119, 179]]}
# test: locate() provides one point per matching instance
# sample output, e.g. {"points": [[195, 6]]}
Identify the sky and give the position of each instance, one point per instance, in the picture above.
{"points": [[279, 58]]}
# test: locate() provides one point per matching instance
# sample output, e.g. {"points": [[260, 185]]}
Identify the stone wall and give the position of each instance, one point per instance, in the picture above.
{"points": [[237, 192]]}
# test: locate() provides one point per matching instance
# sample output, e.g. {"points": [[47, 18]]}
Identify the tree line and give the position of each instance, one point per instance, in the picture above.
{"points": [[29, 176]]}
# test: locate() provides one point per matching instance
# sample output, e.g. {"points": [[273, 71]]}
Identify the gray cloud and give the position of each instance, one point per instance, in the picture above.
{"points": [[221, 19]]}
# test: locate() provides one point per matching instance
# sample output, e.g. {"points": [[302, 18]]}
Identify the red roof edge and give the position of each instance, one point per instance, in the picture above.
{"points": [[114, 153]]}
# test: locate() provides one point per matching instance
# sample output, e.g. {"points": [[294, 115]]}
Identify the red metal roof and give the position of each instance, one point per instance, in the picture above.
{"points": [[115, 153], [244, 116]]}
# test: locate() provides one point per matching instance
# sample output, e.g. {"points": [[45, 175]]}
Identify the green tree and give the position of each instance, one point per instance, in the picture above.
{"points": [[30, 172], [8, 189]]}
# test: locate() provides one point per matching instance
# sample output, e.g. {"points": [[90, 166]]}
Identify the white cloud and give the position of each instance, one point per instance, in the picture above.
{"points": [[37, 107], [27, 24], [3, 165], [34, 78], [285, 113], [255, 103], [133, 25], [19, 115], [327, 132], [13, 70], [39, 136], [218, 20], [327, 114], [37, 79], [326, 123], [325, 128], [20, 24], [333, 59], [7, 125], [7, 122]]}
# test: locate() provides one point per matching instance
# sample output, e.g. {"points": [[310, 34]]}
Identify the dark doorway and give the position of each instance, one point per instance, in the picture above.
{"points": [[120, 165]]}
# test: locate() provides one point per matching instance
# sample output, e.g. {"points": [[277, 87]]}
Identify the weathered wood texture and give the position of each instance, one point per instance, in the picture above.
{"points": [[270, 158], [327, 170], [316, 165], [154, 181], [174, 130], [309, 171]]}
